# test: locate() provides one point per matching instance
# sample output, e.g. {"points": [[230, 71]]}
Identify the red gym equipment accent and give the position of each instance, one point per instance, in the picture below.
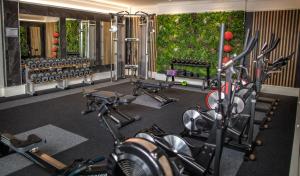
{"points": [[228, 35], [227, 48]]}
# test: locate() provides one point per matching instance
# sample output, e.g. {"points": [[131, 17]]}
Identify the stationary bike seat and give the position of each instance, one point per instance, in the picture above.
{"points": [[18, 143]]}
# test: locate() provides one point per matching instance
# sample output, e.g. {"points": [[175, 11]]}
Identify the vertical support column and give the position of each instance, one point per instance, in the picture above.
{"points": [[120, 60], [143, 50], [63, 37], [12, 45], [98, 43], [2, 54]]}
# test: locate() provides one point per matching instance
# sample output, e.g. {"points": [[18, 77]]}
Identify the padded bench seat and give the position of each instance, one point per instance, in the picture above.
{"points": [[153, 84], [111, 97], [18, 143]]}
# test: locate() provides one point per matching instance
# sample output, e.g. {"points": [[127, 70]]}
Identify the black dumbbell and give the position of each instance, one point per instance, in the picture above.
{"points": [[76, 73], [40, 75], [37, 80], [23, 62], [32, 65], [78, 61], [68, 61], [33, 76], [47, 74], [80, 72], [54, 63], [45, 79], [86, 71], [47, 64], [64, 75], [73, 61], [59, 62], [51, 77]]}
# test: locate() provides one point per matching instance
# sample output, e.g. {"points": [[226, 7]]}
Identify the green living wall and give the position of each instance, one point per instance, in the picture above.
{"points": [[73, 35], [196, 35], [23, 42]]}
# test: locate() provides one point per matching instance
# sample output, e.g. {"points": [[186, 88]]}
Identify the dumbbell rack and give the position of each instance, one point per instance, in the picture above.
{"points": [[61, 83], [199, 64]]}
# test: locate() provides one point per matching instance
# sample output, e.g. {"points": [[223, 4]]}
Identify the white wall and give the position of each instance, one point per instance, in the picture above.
{"points": [[219, 5]]}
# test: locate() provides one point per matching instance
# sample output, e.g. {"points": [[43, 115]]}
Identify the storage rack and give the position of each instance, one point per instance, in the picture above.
{"points": [[192, 63], [61, 71]]}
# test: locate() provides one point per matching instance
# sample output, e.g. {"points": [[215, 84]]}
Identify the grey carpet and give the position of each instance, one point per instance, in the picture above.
{"points": [[57, 140], [146, 100], [230, 162]]}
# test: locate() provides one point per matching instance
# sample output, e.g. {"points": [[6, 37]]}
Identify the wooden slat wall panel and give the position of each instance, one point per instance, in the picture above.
{"points": [[286, 25], [50, 29]]}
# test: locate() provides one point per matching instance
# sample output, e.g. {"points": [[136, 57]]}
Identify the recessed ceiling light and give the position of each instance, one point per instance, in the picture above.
{"points": [[169, 0]]}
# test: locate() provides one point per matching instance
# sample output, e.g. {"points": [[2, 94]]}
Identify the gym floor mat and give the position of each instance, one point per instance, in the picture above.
{"points": [[146, 100], [56, 140], [65, 113]]}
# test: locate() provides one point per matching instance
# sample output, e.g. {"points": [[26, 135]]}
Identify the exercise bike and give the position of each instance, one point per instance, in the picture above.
{"points": [[238, 106]]}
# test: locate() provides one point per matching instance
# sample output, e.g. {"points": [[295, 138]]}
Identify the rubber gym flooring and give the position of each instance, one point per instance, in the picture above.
{"points": [[272, 159]]}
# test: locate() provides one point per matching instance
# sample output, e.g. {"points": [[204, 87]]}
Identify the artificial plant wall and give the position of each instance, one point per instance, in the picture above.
{"points": [[196, 35], [73, 35]]}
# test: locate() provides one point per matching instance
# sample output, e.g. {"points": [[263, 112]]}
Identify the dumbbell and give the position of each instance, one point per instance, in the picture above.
{"points": [[73, 61], [86, 71], [64, 75], [37, 80], [23, 62], [59, 62], [33, 76], [68, 61], [45, 79], [32, 65], [71, 73], [58, 75], [78, 61], [54, 63], [40, 75], [51, 77], [46, 63], [76, 73], [81, 72], [47, 74]]}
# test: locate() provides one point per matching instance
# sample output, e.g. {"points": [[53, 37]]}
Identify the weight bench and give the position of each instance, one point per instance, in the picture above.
{"points": [[152, 89], [29, 148], [110, 101], [18, 145]]}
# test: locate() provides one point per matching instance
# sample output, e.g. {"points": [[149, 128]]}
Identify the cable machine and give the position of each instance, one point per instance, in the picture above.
{"points": [[132, 44]]}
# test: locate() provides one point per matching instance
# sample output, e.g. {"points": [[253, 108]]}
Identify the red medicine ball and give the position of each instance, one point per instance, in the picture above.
{"points": [[225, 59], [53, 55], [227, 48], [228, 35], [54, 49], [55, 42], [55, 34]]}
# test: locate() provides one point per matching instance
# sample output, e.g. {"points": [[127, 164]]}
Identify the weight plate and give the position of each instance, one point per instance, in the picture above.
{"points": [[145, 136], [178, 145], [189, 118], [211, 99], [240, 105]]}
